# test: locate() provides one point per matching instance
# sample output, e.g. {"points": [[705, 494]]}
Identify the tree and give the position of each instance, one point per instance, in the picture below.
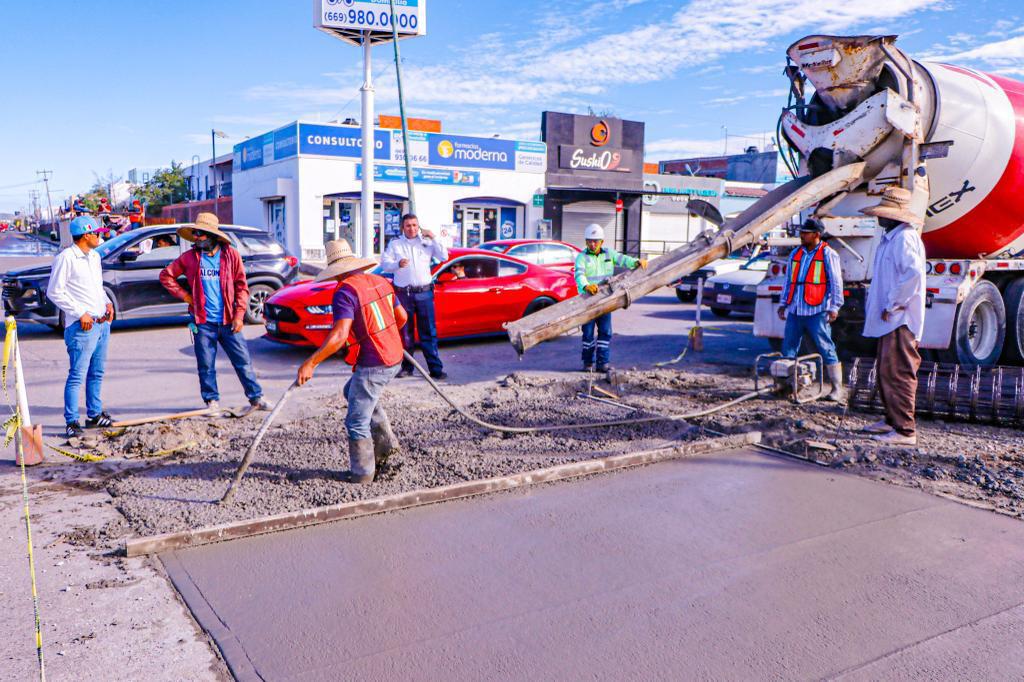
{"points": [[167, 186]]}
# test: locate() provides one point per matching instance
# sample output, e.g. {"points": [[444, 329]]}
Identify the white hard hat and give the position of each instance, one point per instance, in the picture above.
{"points": [[593, 231]]}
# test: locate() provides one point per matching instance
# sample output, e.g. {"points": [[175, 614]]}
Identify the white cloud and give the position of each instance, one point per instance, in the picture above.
{"points": [[1004, 56], [681, 148]]}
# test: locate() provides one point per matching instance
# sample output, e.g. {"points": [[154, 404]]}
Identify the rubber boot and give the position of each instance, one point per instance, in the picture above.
{"points": [[835, 377], [385, 443], [360, 457]]}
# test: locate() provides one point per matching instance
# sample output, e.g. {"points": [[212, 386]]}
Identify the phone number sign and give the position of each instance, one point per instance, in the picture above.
{"points": [[348, 19]]}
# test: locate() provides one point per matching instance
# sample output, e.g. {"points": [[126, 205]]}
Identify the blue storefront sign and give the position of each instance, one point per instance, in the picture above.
{"points": [[472, 152], [250, 152], [422, 176], [326, 140], [286, 142]]}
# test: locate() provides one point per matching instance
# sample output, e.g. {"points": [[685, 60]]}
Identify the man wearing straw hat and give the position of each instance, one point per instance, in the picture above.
{"points": [[368, 318], [217, 299], [894, 314]]}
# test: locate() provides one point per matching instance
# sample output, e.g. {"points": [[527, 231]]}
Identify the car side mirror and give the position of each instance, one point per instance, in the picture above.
{"points": [[128, 256], [446, 276]]}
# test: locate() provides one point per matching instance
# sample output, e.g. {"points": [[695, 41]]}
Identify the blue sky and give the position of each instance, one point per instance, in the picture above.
{"points": [[137, 84]]}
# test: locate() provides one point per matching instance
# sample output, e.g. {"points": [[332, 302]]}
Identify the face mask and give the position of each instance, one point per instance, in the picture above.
{"points": [[206, 245], [888, 223]]}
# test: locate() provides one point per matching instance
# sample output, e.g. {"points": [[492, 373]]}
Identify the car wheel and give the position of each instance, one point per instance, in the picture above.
{"points": [[258, 295], [686, 296], [719, 312], [538, 304]]}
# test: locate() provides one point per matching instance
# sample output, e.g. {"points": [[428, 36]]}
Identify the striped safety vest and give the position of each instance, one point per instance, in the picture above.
{"points": [[377, 311], [816, 281]]}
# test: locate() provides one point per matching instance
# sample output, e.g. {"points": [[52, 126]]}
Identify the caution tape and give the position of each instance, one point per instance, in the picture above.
{"points": [[10, 332], [11, 427], [80, 456]]}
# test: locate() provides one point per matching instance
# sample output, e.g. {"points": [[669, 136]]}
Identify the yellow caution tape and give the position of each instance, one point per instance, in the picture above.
{"points": [[11, 427], [80, 456], [11, 330]]}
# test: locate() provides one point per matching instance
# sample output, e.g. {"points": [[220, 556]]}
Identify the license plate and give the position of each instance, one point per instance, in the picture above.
{"points": [[272, 326], [684, 287], [723, 298]]}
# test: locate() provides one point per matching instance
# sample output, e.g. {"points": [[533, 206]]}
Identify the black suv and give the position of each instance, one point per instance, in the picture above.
{"points": [[131, 275]]}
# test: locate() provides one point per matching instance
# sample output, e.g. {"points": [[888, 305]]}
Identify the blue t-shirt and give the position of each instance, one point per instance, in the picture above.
{"points": [[345, 305], [209, 274]]}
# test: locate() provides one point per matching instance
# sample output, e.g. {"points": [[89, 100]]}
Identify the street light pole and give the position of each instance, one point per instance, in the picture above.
{"points": [[213, 164], [367, 203]]}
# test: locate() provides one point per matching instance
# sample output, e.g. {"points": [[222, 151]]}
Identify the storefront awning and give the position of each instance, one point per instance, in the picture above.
{"points": [[377, 196]]}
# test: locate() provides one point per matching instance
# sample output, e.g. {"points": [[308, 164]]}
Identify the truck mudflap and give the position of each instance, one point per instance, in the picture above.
{"points": [[769, 295]]}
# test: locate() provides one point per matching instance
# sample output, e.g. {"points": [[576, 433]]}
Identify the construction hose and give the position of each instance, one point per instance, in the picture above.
{"points": [[567, 427]]}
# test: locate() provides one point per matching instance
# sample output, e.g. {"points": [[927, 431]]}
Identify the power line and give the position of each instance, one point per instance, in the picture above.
{"points": [[20, 184]]}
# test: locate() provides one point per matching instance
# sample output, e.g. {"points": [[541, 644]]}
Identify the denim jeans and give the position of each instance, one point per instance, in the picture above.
{"points": [[207, 337], [87, 352], [363, 393], [602, 344], [817, 328], [420, 307]]}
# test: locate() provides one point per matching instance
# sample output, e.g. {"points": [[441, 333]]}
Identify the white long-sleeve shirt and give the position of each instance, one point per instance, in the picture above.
{"points": [[897, 284], [76, 284], [419, 252]]}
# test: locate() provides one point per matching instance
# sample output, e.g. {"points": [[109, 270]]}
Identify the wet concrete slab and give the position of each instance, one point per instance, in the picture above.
{"points": [[736, 565]]}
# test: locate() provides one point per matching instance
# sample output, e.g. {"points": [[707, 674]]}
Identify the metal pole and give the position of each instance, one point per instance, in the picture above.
{"points": [[401, 110], [213, 165], [367, 204], [46, 181]]}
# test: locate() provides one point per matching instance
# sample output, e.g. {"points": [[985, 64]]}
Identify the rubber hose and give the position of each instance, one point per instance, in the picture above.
{"points": [[566, 427]]}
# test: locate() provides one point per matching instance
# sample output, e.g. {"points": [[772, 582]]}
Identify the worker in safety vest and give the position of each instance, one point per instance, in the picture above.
{"points": [[811, 301], [368, 318], [594, 265], [136, 214]]}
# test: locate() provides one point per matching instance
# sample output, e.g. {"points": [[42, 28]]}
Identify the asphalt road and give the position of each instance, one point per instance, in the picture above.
{"points": [[729, 566]]}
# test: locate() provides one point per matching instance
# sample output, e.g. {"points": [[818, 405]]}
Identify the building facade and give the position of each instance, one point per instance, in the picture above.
{"points": [[302, 183]]}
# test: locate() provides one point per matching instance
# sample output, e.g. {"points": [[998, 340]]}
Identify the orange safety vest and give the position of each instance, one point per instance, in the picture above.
{"points": [[816, 280], [377, 311]]}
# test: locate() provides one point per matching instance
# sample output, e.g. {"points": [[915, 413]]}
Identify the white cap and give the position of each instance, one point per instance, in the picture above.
{"points": [[593, 231]]}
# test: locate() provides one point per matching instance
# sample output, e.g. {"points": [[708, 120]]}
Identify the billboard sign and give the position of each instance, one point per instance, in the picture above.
{"points": [[327, 140], [347, 19], [423, 176], [484, 152]]}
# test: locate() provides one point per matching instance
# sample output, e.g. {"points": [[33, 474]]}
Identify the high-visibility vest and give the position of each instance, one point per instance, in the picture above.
{"points": [[377, 311], [816, 280]]}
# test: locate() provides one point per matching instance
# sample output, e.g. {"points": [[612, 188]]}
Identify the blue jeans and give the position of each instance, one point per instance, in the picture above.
{"points": [[207, 337], [420, 307], [363, 393], [817, 328], [87, 352], [603, 325]]}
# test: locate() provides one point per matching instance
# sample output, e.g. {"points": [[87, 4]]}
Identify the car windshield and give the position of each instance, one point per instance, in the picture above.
{"points": [[111, 245], [755, 263]]}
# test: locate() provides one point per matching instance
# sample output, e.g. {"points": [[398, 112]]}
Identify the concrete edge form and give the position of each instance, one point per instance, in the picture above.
{"points": [[414, 498]]}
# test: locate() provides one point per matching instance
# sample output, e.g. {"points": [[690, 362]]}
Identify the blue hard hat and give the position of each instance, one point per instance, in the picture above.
{"points": [[85, 224]]}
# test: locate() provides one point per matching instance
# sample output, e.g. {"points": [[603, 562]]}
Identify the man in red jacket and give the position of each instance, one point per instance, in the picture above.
{"points": [[217, 300]]}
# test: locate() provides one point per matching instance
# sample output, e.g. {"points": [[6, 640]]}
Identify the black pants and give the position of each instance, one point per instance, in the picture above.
{"points": [[420, 306]]}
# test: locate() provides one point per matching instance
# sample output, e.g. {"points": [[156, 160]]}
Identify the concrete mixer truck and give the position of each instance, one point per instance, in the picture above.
{"points": [[955, 137]]}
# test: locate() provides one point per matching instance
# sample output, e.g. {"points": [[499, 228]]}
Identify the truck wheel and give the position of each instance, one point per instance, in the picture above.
{"points": [[720, 312], [1013, 297], [979, 328]]}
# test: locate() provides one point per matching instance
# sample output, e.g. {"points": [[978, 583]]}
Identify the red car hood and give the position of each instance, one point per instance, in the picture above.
{"points": [[305, 293]]}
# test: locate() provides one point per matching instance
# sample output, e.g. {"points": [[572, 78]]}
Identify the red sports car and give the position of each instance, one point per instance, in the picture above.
{"points": [[475, 293], [547, 252]]}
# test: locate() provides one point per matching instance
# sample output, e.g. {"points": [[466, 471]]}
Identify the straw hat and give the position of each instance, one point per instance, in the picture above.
{"points": [[205, 222], [895, 205], [341, 260]]}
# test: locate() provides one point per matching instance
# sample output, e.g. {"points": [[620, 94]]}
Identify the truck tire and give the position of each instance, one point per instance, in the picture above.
{"points": [[979, 328], [1013, 297], [719, 312]]}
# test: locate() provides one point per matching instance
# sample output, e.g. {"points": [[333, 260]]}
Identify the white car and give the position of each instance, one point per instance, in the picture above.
{"points": [[736, 291], [686, 288]]}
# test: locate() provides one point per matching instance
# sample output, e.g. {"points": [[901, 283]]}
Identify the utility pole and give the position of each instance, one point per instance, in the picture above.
{"points": [[214, 134], [46, 181]]}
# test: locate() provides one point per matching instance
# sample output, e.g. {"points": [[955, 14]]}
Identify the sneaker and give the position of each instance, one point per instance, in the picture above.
{"points": [[438, 376], [404, 372], [73, 430], [588, 368], [259, 404], [880, 426], [212, 404], [895, 438], [603, 369], [101, 421]]}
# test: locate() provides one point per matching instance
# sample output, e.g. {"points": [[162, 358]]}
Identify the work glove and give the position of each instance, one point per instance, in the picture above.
{"points": [[642, 263], [591, 289]]}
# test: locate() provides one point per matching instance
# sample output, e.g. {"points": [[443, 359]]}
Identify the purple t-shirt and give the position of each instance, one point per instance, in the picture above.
{"points": [[344, 305]]}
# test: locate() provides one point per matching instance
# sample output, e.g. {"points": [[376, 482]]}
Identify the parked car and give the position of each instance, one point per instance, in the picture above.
{"points": [[736, 291], [131, 275], [686, 287], [547, 252], [496, 289]]}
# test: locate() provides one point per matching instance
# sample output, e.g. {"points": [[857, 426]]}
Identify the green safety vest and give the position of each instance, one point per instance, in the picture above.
{"points": [[594, 268]]}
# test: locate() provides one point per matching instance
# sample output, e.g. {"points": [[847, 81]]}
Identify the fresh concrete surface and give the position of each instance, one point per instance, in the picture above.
{"points": [[731, 566]]}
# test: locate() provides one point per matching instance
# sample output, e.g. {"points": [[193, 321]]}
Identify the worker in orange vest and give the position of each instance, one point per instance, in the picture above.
{"points": [[368, 318], [811, 301], [136, 214]]}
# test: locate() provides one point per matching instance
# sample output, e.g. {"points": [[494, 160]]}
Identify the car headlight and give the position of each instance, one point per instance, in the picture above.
{"points": [[318, 309], [750, 289]]}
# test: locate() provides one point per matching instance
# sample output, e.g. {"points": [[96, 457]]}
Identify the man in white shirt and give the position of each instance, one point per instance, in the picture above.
{"points": [[410, 258], [76, 288], [894, 314]]}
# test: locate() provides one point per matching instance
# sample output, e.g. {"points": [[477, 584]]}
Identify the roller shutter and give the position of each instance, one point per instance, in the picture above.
{"points": [[576, 217]]}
